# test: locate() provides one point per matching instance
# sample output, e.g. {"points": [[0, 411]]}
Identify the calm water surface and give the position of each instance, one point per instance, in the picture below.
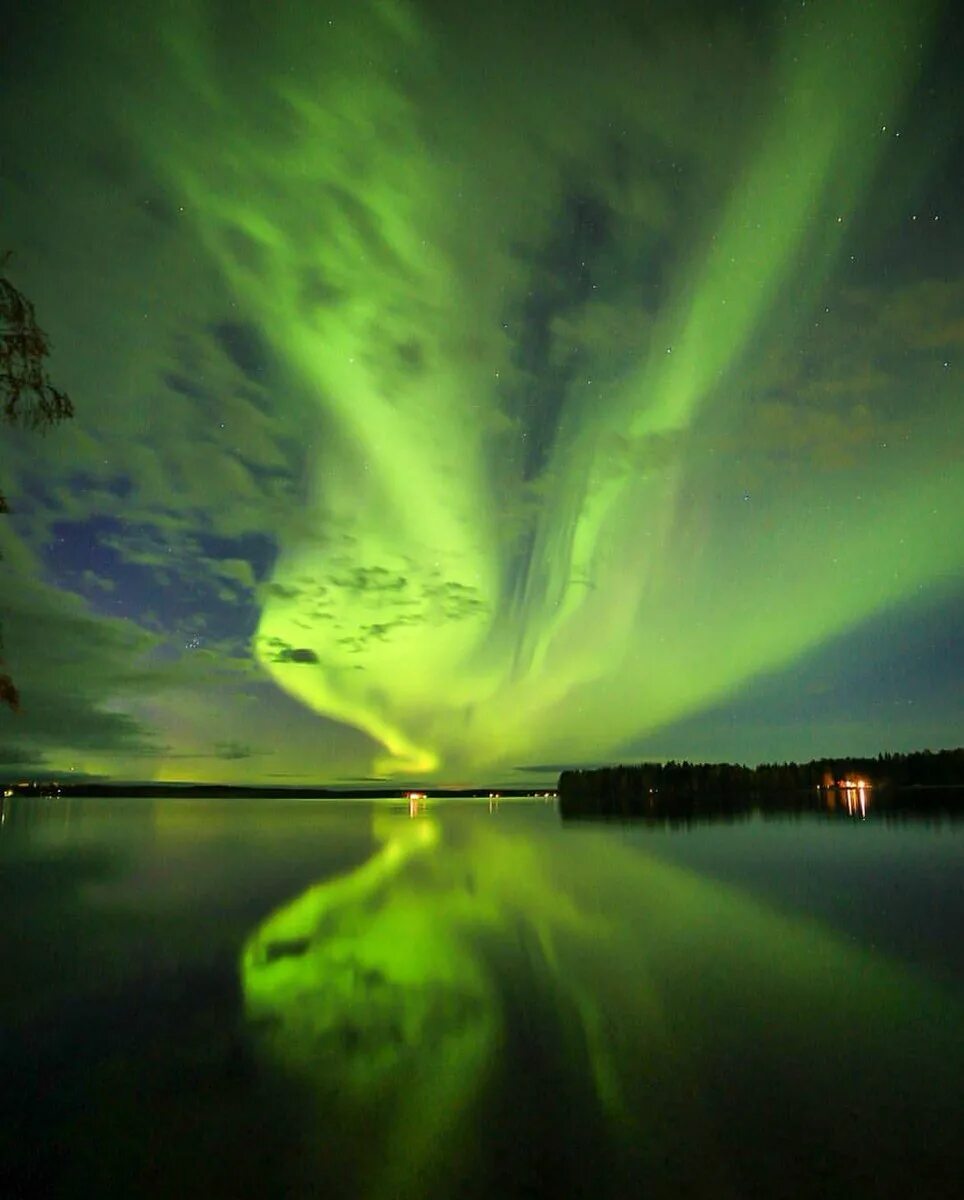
{"points": [[308, 999]]}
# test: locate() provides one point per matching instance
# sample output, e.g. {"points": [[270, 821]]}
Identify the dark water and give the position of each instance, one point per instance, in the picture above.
{"points": [[315, 999]]}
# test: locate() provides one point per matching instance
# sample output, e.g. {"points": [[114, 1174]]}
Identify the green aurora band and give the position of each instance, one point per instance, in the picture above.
{"points": [[472, 591]]}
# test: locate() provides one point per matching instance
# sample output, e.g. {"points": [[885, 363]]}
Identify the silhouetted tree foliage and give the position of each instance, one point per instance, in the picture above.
{"points": [[690, 788], [27, 397]]}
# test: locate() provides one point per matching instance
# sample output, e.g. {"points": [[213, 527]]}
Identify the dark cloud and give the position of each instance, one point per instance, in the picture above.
{"points": [[296, 654], [14, 755], [411, 354], [245, 346], [561, 281], [365, 580], [283, 652], [282, 591], [316, 291], [187, 387], [231, 751], [455, 600], [366, 227], [647, 453]]}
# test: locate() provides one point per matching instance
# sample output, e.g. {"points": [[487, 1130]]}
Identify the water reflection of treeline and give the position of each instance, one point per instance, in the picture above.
{"points": [[923, 782]]}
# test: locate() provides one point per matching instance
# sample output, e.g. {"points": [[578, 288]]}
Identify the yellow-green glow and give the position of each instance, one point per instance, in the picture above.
{"points": [[383, 991], [372, 987], [464, 610]]}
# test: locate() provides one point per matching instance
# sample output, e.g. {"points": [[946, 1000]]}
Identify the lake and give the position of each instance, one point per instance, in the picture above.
{"points": [[463, 999]]}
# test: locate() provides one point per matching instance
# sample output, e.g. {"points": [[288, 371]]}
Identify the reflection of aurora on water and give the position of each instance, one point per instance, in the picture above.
{"points": [[374, 985], [484, 534], [384, 992]]}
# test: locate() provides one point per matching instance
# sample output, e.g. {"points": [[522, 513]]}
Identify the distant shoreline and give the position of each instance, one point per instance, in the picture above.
{"points": [[633, 787], [913, 780], [218, 791]]}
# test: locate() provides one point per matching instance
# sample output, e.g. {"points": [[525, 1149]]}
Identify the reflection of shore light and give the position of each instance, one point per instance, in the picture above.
{"points": [[416, 801], [855, 791]]}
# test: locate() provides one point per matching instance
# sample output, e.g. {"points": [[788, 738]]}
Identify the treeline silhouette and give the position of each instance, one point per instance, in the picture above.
{"points": [[663, 788]]}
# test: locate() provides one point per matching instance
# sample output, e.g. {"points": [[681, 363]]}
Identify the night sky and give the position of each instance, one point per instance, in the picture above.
{"points": [[465, 390]]}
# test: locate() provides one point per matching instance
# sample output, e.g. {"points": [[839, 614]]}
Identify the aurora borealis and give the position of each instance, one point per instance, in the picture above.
{"points": [[463, 393]]}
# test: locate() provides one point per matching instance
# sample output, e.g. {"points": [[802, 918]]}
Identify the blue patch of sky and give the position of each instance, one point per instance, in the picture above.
{"points": [[184, 598], [81, 484], [256, 549]]}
